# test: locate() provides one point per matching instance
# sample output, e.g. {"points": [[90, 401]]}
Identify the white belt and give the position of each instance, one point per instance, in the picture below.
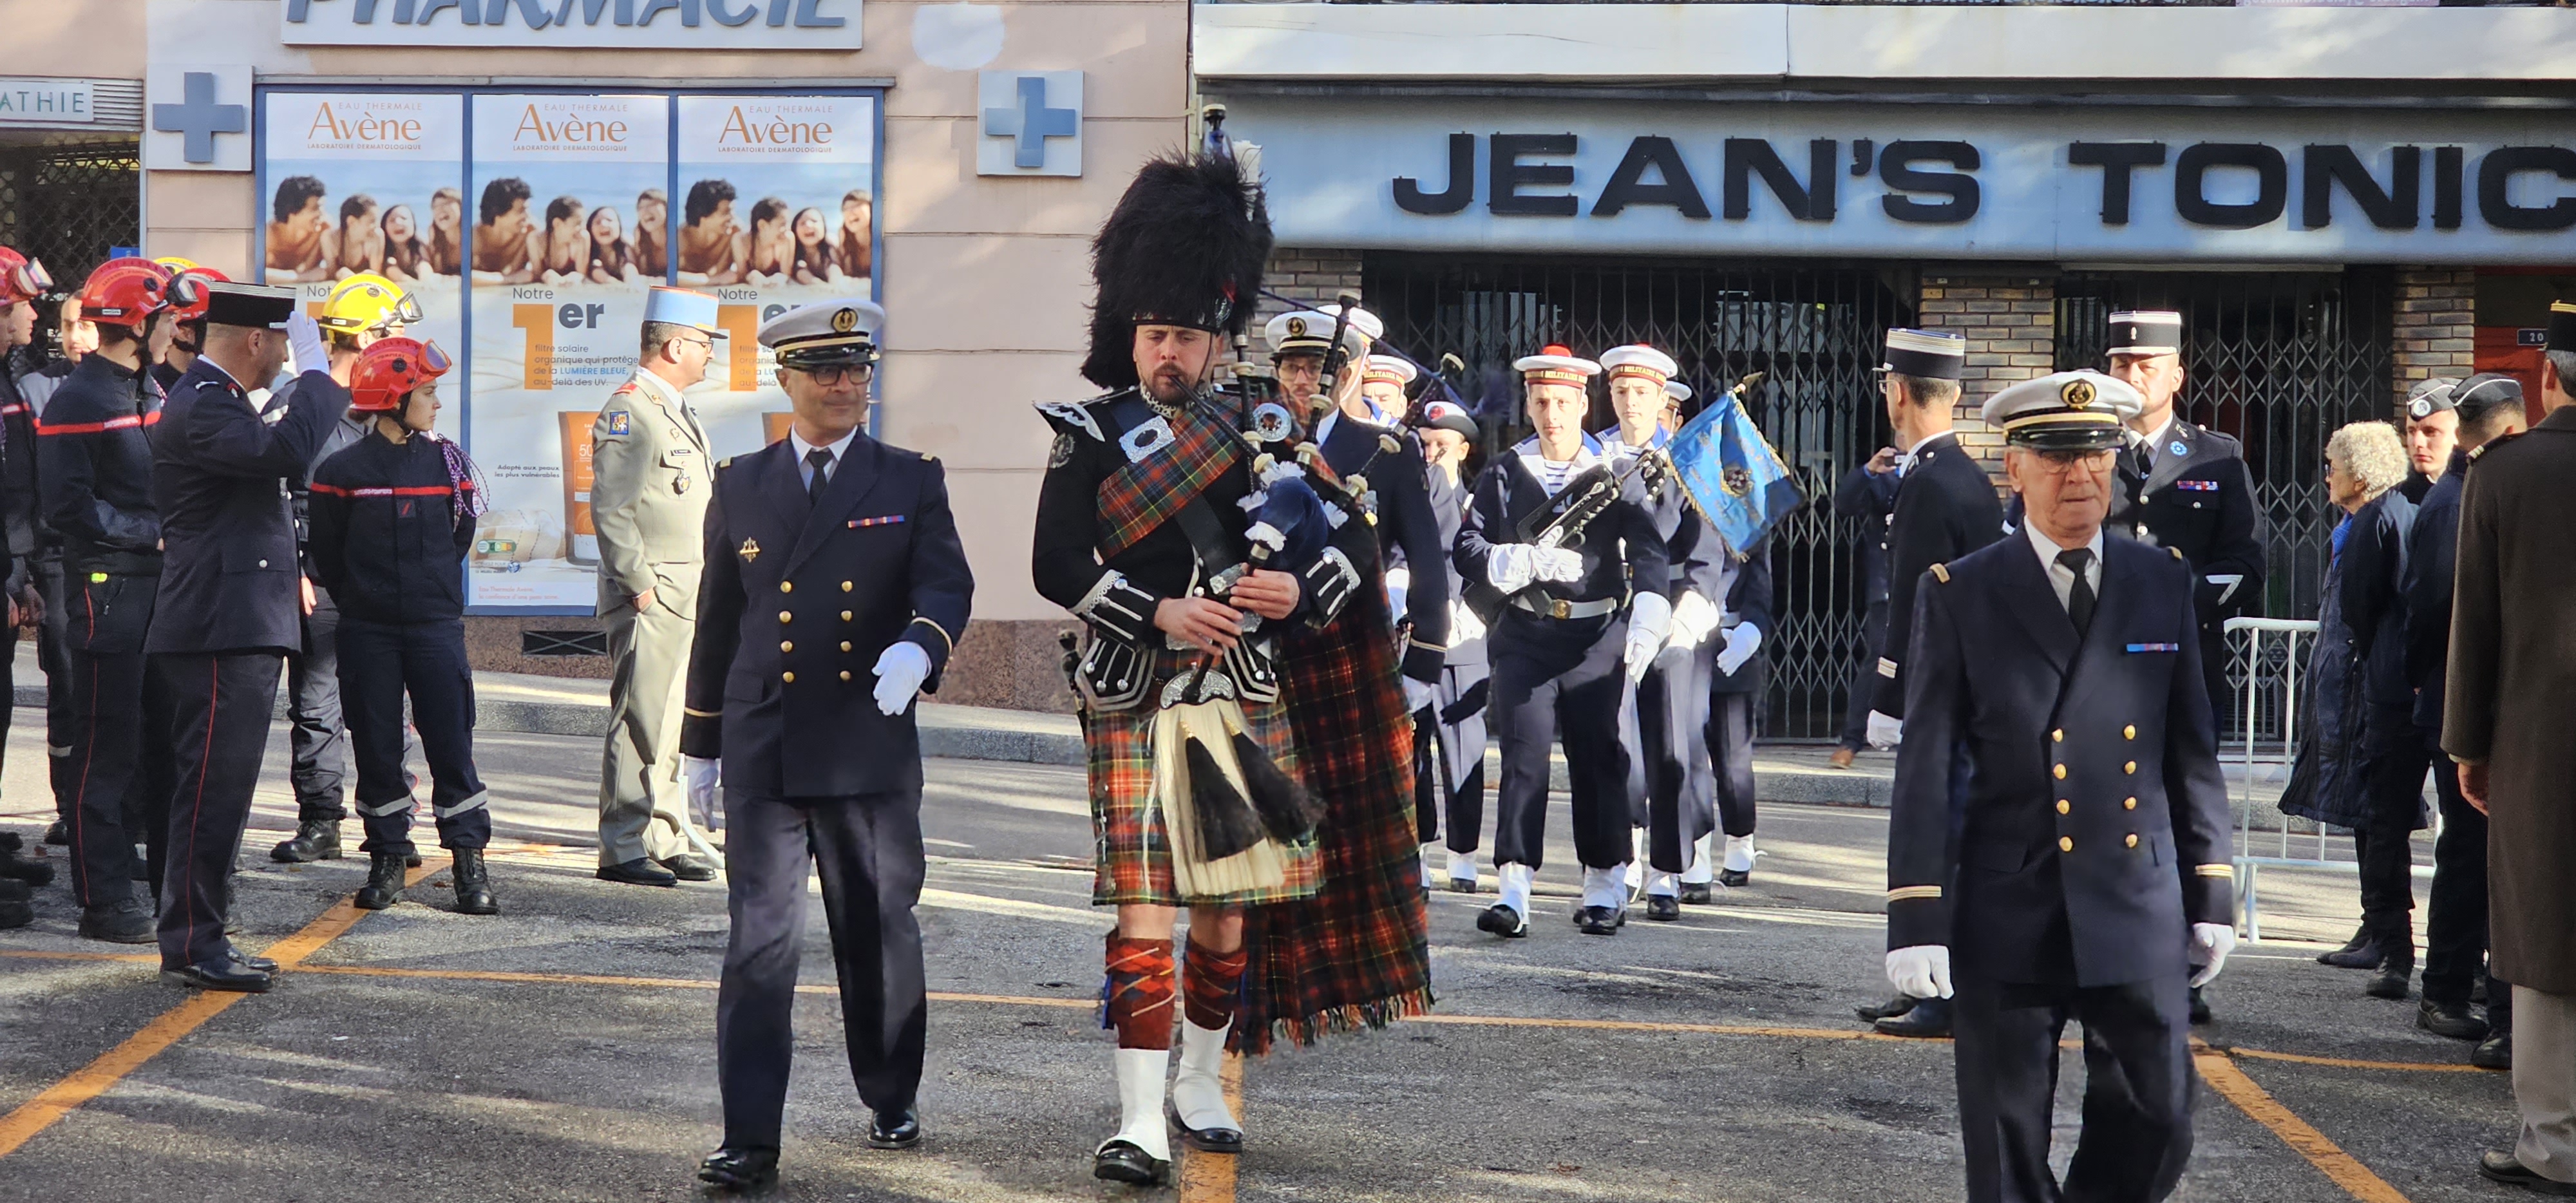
{"points": [[1560, 608]]}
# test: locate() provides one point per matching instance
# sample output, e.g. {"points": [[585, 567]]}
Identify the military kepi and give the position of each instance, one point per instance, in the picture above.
{"points": [[2562, 326], [2146, 332], [683, 307], [2065, 411], [1928, 354], [255, 305], [825, 334]]}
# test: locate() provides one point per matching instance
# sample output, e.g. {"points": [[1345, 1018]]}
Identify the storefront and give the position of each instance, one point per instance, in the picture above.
{"points": [[530, 169], [1764, 188]]}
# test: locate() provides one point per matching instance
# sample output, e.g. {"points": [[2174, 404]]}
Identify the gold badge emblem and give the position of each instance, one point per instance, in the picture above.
{"points": [[1736, 480], [1296, 327], [750, 550], [2077, 394], [845, 320]]}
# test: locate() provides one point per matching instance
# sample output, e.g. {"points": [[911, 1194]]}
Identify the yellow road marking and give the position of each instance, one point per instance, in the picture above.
{"points": [[2258, 1105], [2347, 1063], [1209, 1177], [94, 1079]]}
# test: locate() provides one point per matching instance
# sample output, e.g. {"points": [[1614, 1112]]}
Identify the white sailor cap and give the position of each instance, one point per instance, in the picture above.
{"points": [[683, 307], [1555, 364], [2146, 332], [1388, 369], [2065, 411], [1305, 331], [1638, 359], [825, 334], [1677, 390]]}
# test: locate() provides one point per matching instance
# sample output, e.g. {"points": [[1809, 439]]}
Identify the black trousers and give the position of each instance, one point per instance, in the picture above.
{"points": [[220, 707], [314, 718], [2455, 931], [1730, 751], [379, 663], [2138, 1083], [868, 849], [1552, 675], [53, 654], [2393, 761], [1672, 715], [1864, 682], [117, 767]]}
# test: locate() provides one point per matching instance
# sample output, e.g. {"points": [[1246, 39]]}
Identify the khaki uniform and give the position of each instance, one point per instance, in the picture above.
{"points": [[648, 501]]}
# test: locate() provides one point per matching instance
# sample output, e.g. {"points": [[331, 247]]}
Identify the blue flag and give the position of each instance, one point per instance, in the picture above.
{"points": [[1731, 473]]}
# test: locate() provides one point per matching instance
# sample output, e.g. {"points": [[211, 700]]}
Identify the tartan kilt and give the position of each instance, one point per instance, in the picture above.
{"points": [[1131, 853], [1357, 954]]}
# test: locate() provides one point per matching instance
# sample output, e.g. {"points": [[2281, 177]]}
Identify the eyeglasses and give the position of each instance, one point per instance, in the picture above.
{"points": [[833, 377], [2062, 463], [708, 343]]}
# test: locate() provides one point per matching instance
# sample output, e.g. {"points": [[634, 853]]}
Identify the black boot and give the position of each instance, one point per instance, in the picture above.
{"points": [[2397, 968], [2360, 936], [473, 885], [315, 839], [59, 834], [2367, 954], [384, 882], [16, 866]]}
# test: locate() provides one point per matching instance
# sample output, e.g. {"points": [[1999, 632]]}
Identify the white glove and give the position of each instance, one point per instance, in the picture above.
{"points": [[304, 341], [1885, 732], [1558, 563], [1511, 566], [2210, 944], [1693, 619], [1649, 617], [1463, 626], [1922, 971], [702, 776], [1398, 582], [1741, 643], [1418, 696], [900, 672]]}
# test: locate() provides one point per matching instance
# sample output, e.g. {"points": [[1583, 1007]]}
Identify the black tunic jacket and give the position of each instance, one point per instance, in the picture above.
{"points": [[1945, 508], [389, 538], [94, 465], [219, 475]]}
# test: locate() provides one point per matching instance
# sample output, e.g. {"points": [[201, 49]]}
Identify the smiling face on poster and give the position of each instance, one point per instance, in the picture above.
{"points": [[558, 293], [777, 208], [356, 182]]}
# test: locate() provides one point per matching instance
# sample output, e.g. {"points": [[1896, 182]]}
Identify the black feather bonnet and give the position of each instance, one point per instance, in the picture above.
{"points": [[1184, 247]]}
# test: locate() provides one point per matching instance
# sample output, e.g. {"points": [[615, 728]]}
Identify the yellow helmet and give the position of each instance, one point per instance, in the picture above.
{"points": [[176, 263], [367, 302]]}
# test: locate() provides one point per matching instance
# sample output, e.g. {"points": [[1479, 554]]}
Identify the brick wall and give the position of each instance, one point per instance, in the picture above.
{"points": [[2436, 330], [2010, 322], [1309, 276]]}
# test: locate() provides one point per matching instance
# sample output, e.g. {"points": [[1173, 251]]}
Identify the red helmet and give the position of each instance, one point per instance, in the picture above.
{"points": [[21, 278], [127, 292], [389, 369], [197, 276]]}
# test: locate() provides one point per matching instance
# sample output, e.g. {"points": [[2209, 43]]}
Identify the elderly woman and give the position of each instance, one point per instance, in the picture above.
{"points": [[2350, 770]]}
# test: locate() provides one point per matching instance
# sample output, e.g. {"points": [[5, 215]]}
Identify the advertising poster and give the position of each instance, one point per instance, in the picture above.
{"points": [[360, 182], [568, 219], [776, 208]]}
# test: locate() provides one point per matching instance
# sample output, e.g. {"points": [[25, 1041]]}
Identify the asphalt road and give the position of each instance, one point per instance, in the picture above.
{"points": [[564, 1050]]}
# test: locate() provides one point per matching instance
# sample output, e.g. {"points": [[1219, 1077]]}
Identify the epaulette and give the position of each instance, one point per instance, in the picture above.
{"points": [[2492, 444], [2177, 552], [724, 463], [929, 457], [1941, 573], [1075, 416]]}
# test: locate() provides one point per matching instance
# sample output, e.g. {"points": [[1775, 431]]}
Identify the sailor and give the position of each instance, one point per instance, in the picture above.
{"points": [[1298, 340], [1382, 383], [2058, 847], [1556, 548], [1449, 762]]}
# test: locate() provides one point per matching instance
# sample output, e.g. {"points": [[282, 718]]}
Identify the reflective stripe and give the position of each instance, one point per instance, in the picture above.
{"points": [[404, 491], [1911, 893], [125, 423], [474, 803], [397, 806]]}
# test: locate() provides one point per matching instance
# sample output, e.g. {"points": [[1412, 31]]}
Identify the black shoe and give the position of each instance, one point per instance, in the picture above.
{"points": [[1462, 885], [219, 974], [1120, 1161], [899, 1129], [2494, 1052], [128, 922], [315, 839], [384, 882], [2449, 1019], [2392, 979], [638, 872], [59, 834], [2360, 937], [1225, 1142], [1733, 878], [2367, 955], [1604, 920], [1697, 893], [730, 1168], [246, 961], [1663, 908], [1928, 1019], [688, 867], [2500, 1165], [1873, 1012], [14, 891], [2199, 1006], [1503, 921], [14, 867], [473, 884]]}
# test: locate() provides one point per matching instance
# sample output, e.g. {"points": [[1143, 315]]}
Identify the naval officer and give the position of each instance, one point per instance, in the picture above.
{"points": [[834, 591], [2080, 868]]}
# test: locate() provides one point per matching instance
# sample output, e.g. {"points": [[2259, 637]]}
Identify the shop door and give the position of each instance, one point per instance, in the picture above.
{"points": [[2277, 359], [1815, 331]]}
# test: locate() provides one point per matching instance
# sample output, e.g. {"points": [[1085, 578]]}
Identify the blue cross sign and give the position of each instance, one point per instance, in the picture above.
{"points": [[200, 118], [1030, 122]]}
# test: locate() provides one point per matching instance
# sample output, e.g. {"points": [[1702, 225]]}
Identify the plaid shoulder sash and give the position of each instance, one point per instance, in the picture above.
{"points": [[1145, 493]]}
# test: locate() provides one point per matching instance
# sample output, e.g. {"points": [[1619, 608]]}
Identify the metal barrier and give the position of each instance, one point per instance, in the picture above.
{"points": [[2260, 632]]}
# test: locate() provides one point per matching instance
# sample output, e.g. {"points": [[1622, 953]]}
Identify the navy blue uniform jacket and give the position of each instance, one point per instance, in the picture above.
{"points": [[1621, 548], [2059, 817], [388, 537], [94, 470], [797, 603], [1945, 508], [229, 573]]}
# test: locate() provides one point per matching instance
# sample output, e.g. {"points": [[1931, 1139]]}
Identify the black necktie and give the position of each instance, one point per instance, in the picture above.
{"points": [[2079, 602], [820, 460]]}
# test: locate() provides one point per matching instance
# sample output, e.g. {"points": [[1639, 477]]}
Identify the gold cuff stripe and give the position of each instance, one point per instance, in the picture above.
{"points": [[1911, 893], [2222, 870], [694, 712], [944, 636]]}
